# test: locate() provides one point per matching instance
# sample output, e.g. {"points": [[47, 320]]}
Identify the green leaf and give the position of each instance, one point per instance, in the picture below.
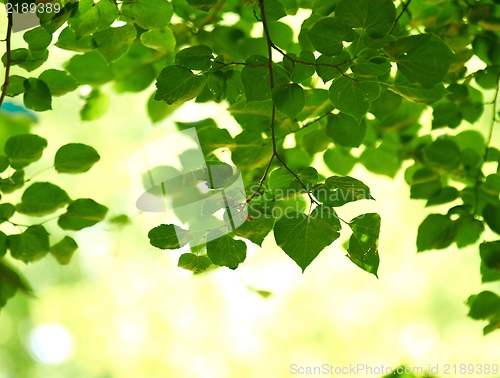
{"points": [[446, 114], [37, 38], [354, 96], [14, 182], [75, 158], [363, 244], [223, 250], [63, 250], [14, 280], [30, 245], [415, 93], [255, 79], [67, 41], [252, 151], [289, 98], [90, 68], [274, 10], [490, 255], [195, 58], [374, 16], [158, 110], [423, 59], [339, 160], [283, 184], [162, 41], [303, 237], [302, 72], [202, 5], [339, 190], [468, 231], [491, 214], [58, 82], [37, 95], [7, 210], [492, 184], [82, 213], [484, 305], [442, 154], [42, 198], [149, 14], [345, 130], [226, 85], [169, 236], [16, 85], [331, 67], [437, 231], [425, 184], [214, 138], [445, 195], [92, 16], [256, 227], [113, 43], [96, 105], [177, 84], [194, 263], [4, 163], [24, 149], [327, 35], [3, 247]]}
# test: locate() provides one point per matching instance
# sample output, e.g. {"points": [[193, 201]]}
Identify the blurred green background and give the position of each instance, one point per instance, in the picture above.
{"points": [[123, 309]]}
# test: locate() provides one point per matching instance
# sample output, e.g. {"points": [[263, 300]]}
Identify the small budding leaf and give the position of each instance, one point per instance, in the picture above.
{"points": [[75, 158], [169, 236], [194, 263]]}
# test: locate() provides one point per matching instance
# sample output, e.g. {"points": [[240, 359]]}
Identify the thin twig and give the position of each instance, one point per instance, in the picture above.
{"points": [[405, 6], [8, 60]]}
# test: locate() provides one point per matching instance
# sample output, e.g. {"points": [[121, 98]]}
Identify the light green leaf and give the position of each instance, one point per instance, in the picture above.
{"points": [[374, 16], [63, 250], [194, 263], [90, 68], [416, 93], [82, 213], [59, 82], [354, 96], [92, 16], [177, 84], [67, 41], [223, 250], [327, 35], [423, 59], [169, 236], [226, 85], [162, 41], [96, 105], [345, 130], [256, 227], [303, 237], [437, 231], [113, 43], [283, 184], [289, 98], [37, 39], [363, 244], [274, 10], [75, 158], [30, 245], [255, 79], [42, 198], [24, 149], [37, 95], [252, 151], [339, 190], [158, 110], [149, 14], [339, 161]]}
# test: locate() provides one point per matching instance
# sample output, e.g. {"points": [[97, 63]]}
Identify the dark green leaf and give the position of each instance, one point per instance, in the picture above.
{"points": [[354, 96], [177, 84], [283, 184], [327, 35], [31, 245], [14, 279], [415, 93], [252, 151], [194, 263], [363, 244], [92, 16], [24, 149], [195, 58], [14, 182], [331, 67], [59, 82], [67, 41], [82, 213], [16, 85], [425, 184], [158, 110], [255, 79], [37, 95], [223, 250], [256, 227], [490, 254], [75, 158], [7, 210], [274, 10], [63, 250], [289, 98], [42, 198], [491, 214], [437, 231], [4, 163], [202, 5], [339, 161], [169, 236], [226, 85], [445, 195], [3, 247], [345, 130], [374, 16], [492, 184], [468, 231], [303, 237], [442, 154], [484, 305]]}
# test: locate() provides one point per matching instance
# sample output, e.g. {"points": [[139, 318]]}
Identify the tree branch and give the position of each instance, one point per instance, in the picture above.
{"points": [[8, 61]]}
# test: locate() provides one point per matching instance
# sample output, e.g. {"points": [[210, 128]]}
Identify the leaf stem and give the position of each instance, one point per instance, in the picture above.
{"points": [[405, 7], [8, 60]]}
